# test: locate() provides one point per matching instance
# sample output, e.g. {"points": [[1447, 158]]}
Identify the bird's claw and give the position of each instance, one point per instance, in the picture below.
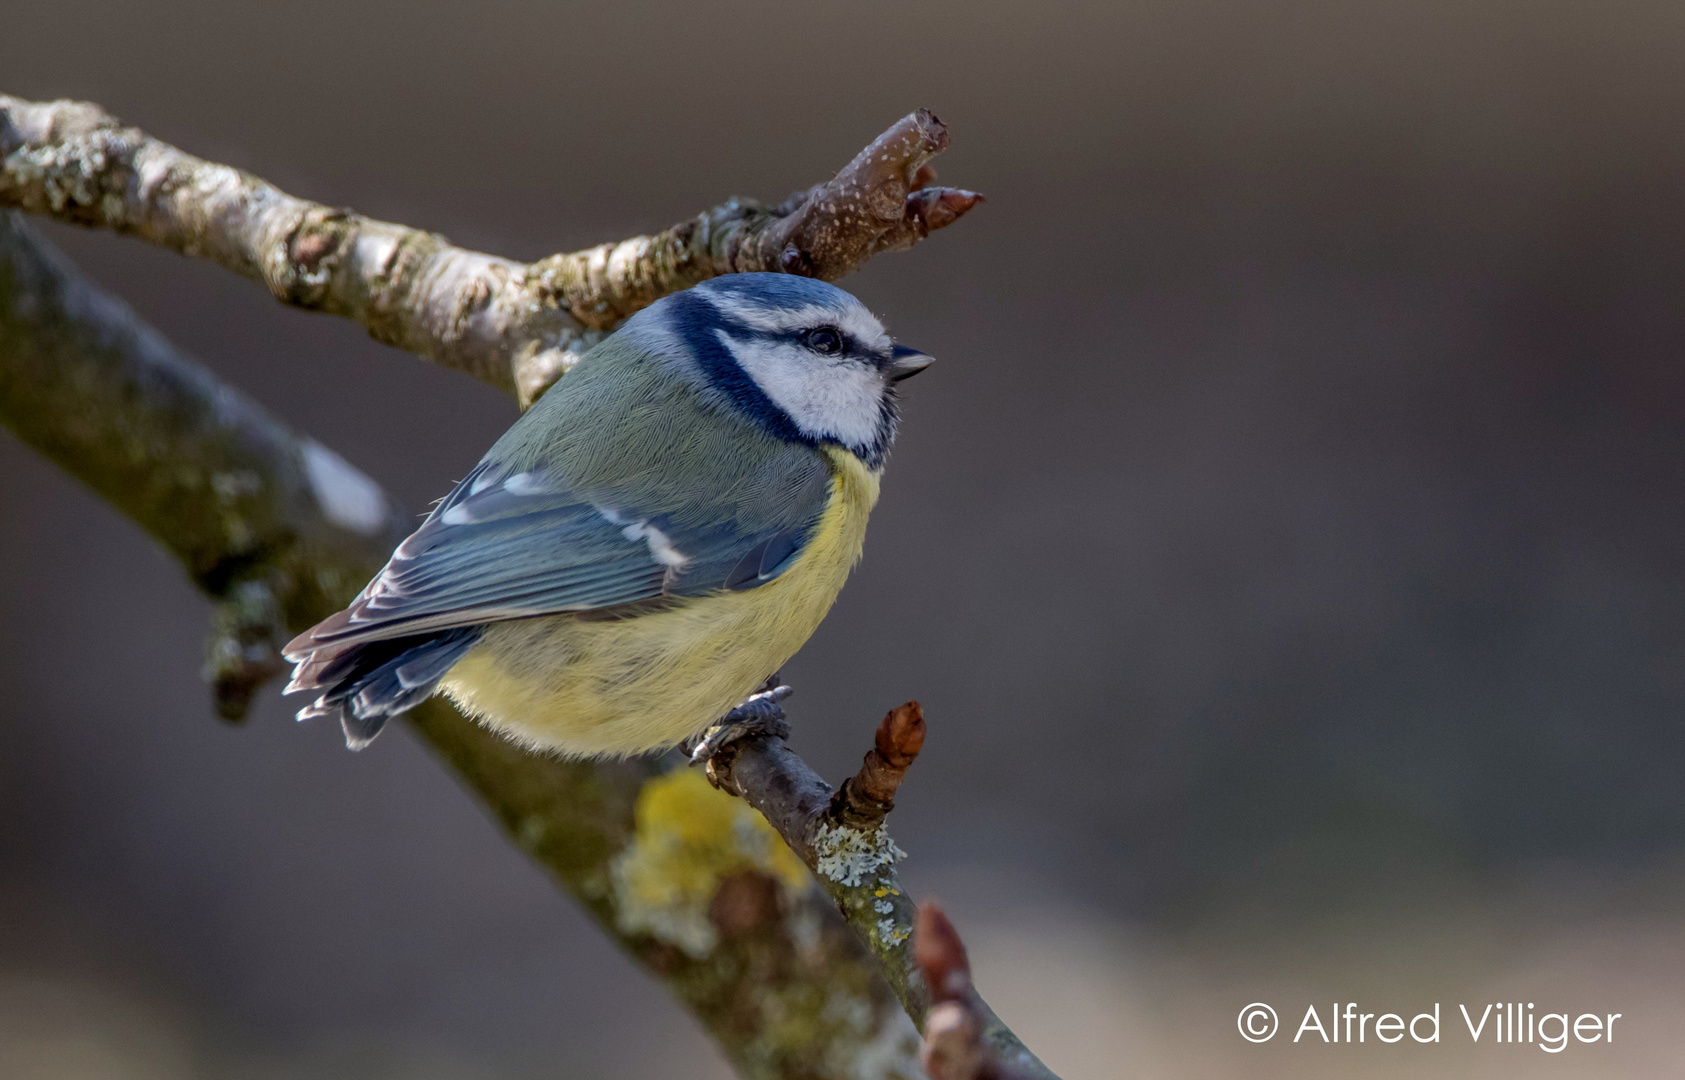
{"points": [[758, 714]]}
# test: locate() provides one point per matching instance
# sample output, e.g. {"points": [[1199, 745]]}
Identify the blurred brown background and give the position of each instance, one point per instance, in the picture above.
{"points": [[1289, 548]]}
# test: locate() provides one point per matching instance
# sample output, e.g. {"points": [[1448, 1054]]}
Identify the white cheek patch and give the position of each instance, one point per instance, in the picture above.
{"points": [[839, 399]]}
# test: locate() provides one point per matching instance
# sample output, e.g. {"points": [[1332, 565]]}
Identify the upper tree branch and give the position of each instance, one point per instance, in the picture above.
{"points": [[517, 326]]}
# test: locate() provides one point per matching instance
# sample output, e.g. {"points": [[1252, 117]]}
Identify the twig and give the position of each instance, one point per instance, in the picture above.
{"points": [[868, 796], [517, 326], [841, 838], [955, 1045]]}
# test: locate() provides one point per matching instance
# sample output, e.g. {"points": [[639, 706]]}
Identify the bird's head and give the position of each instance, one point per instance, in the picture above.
{"points": [[803, 358]]}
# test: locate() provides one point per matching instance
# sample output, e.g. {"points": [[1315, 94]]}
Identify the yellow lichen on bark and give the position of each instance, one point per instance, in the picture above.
{"points": [[689, 839]]}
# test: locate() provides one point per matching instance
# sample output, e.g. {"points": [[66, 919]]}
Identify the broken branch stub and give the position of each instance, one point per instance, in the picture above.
{"points": [[867, 797], [880, 201]]}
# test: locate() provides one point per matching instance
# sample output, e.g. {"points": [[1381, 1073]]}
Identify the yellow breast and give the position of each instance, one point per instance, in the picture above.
{"points": [[597, 688]]}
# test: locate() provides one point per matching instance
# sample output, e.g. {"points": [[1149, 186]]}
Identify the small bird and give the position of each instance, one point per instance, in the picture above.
{"points": [[649, 543]]}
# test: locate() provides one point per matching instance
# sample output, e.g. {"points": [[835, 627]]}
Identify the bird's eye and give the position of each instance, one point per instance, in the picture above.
{"points": [[824, 340]]}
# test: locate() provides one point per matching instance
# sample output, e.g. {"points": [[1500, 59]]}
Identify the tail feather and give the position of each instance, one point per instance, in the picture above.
{"points": [[366, 684]]}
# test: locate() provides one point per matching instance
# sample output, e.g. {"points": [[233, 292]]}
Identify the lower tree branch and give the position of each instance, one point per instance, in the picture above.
{"points": [[275, 528], [517, 326], [840, 836]]}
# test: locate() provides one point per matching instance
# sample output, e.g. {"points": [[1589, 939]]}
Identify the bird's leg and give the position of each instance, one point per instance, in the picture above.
{"points": [[758, 714]]}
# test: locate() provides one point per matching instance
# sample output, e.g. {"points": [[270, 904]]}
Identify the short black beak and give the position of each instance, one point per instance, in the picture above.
{"points": [[905, 362]]}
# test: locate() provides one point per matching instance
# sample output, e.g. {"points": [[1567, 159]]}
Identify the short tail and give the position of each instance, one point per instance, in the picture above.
{"points": [[368, 683]]}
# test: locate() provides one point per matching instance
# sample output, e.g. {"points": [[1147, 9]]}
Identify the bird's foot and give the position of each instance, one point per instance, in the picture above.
{"points": [[758, 714]]}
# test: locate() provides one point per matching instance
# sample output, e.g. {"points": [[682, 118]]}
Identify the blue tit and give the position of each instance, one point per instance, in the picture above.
{"points": [[648, 543]]}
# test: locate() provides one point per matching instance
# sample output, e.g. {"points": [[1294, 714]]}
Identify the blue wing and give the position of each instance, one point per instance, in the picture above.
{"points": [[512, 546]]}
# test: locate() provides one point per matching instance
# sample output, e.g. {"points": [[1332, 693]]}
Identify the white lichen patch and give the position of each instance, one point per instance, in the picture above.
{"points": [[849, 856], [689, 838], [348, 498], [311, 280], [69, 173]]}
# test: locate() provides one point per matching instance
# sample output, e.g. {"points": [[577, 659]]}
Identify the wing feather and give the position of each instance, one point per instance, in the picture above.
{"points": [[496, 550]]}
